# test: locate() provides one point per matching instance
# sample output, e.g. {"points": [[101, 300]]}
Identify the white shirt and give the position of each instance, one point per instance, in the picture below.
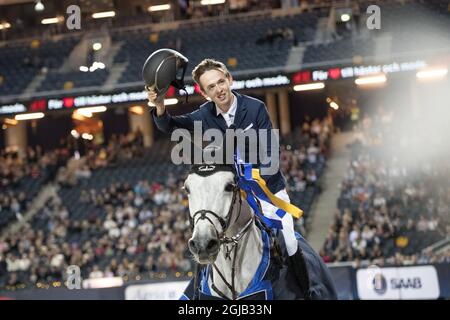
{"points": [[230, 114]]}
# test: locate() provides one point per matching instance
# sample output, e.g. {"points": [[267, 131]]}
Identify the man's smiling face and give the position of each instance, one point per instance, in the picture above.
{"points": [[217, 86]]}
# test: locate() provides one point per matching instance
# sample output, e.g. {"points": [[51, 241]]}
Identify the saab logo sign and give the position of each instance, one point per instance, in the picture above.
{"points": [[398, 283], [379, 283], [156, 291]]}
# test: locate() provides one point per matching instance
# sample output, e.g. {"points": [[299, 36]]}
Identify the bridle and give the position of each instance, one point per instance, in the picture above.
{"points": [[223, 224], [275, 250], [224, 240]]}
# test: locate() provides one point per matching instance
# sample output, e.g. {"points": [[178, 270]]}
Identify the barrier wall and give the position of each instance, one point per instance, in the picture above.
{"points": [[408, 282]]}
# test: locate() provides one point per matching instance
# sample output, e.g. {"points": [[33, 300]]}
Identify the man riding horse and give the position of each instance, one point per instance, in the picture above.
{"points": [[225, 109]]}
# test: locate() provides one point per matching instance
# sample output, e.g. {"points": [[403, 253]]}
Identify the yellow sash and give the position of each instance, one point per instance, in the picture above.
{"points": [[277, 202]]}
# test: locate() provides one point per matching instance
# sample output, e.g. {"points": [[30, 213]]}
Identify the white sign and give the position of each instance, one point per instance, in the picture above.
{"points": [[251, 83], [14, 108], [420, 282], [92, 100], [55, 104], [156, 291], [320, 75], [360, 71]]}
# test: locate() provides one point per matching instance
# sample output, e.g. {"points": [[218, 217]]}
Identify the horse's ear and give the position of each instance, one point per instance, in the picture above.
{"points": [[185, 189]]}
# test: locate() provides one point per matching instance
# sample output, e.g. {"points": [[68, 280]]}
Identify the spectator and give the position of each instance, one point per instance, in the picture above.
{"points": [[96, 273]]}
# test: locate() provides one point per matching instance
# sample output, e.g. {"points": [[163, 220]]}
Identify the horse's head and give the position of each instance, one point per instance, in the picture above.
{"points": [[212, 192]]}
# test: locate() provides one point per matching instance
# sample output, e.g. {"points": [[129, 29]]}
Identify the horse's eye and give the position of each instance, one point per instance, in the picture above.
{"points": [[230, 187]]}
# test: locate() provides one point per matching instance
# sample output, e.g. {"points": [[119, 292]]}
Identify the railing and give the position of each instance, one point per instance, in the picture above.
{"points": [[440, 246]]}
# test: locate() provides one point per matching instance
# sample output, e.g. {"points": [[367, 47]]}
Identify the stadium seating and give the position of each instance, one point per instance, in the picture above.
{"points": [[238, 40], [21, 62], [397, 21], [332, 52], [56, 81], [199, 41]]}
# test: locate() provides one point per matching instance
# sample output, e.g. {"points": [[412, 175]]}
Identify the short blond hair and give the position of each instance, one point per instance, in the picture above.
{"points": [[206, 65]]}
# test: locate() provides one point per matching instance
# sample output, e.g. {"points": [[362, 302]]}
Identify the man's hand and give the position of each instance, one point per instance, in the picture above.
{"points": [[158, 101]]}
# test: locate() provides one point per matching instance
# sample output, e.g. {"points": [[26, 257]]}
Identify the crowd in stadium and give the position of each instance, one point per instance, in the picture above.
{"points": [[382, 216], [117, 150], [21, 175], [123, 244], [144, 227], [388, 211], [309, 146]]}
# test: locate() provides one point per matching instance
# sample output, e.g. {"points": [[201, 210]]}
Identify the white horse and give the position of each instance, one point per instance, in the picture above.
{"points": [[236, 249]]}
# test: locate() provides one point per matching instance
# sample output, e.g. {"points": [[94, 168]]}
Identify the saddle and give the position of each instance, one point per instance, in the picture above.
{"points": [[311, 273], [307, 267]]}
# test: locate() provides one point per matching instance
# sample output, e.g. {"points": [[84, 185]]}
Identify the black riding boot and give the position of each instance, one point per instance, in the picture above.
{"points": [[297, 264]]}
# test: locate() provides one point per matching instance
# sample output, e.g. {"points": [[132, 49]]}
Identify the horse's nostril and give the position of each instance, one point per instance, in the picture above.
{"points": [[212, 246], [193, 246], [204, 247]]}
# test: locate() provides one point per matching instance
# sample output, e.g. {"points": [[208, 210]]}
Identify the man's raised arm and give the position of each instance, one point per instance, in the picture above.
{"points": [[167, 123]]}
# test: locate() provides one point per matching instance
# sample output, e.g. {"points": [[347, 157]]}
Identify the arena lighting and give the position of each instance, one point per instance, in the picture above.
{"points": [[11, 122], [334, 105], [84, 69], [96, 46], [94, 109], [77, 116], [345, 17], [137, 110], [371, 80], [432, 74], [29, 116], [96, 65], [105, 14], [52, 20], [211, 2], [39, 6], [87, 112], [100, 65], [167, 102], [102, 283], [5, 25], [87, 136], [160, 7], [75, 134], [309, 86]]}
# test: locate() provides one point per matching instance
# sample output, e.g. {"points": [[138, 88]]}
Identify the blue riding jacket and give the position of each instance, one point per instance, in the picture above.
{"points": [[250, 113]]}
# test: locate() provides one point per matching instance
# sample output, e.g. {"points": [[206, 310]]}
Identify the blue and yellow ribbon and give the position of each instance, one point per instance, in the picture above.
{"points": [[254, 186]]}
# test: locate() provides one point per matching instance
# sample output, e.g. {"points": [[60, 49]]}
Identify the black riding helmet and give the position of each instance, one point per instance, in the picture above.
{"points": [[161, 69]]}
